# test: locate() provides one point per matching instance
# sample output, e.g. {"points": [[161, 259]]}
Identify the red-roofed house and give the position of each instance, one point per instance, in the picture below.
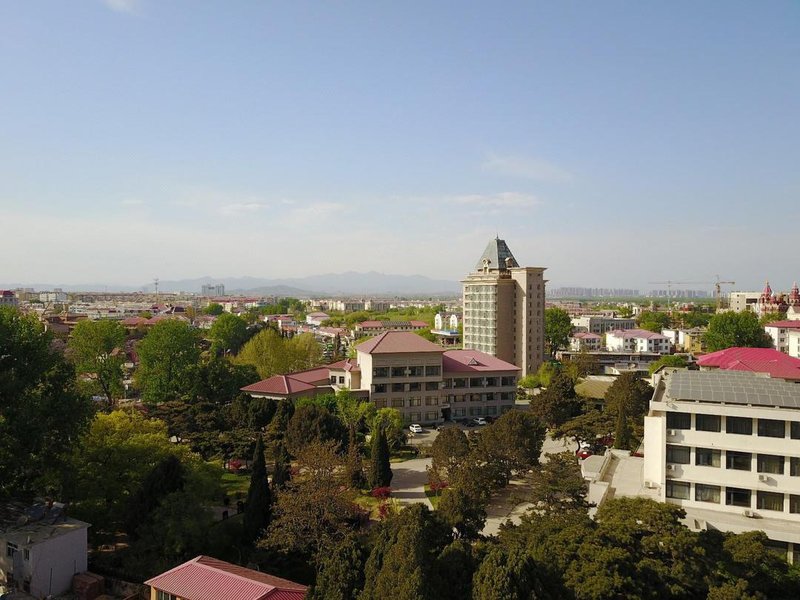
{"points": [[402, 370], [780, 331], [206, 578], [637, 340], [584, 340], [759, 360]]}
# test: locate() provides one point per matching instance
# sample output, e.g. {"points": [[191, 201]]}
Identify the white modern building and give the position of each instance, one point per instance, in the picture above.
{"points": [[41, 549], [779, 332], [600, 324], [637, 340], [725, 445]]}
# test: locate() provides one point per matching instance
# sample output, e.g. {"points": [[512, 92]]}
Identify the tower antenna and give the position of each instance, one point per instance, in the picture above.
{"points": [[155, 281]]}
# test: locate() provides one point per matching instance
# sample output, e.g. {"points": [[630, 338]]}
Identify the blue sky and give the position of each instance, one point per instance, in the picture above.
{"points": [[613, 142]]}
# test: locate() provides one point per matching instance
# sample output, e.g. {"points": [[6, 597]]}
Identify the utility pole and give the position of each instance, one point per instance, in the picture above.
{"points": [[155, 281]]}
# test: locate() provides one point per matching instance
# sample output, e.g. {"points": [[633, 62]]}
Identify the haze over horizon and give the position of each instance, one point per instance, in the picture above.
{"points": [[614, 143]]}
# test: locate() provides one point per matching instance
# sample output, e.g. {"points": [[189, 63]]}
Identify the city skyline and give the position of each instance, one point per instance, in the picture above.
{"points": [[614, 145]]}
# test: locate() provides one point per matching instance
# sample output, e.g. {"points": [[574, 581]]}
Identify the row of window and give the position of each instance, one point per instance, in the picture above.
{"points": [[738, 461], [413, 371], [12, 548], [681, 490], [465, 382], [737, 425], [403, 402], [488, 397], [478, 411]]}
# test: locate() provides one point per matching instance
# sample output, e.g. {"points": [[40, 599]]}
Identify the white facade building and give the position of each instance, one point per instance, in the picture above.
{"points": [[600, 324], [583, 340], [637, 340], [56, 296], [779, 332], [725, 445]]}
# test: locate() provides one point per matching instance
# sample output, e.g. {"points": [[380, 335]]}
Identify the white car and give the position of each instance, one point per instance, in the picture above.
{"points": [[415, 428], [479, 421]]}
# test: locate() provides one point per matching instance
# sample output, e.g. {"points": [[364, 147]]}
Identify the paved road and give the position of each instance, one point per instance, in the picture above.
{"points": [[408, 481]]}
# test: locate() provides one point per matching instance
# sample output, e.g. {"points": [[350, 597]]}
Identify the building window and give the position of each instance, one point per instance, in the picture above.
{"points": [[398, 371], [769, 501], [431, 385], [432, 371], [398, 403], [794, 468], [707, 423], [678, 454], [679, 420], [398, 387], [165, 596], [415, 401], [795, 433], [431, 416], [11, 547], [739, 425], [770, 463], [459, 412], [459, 382], [431, 401], [677, 489], [771, 428], [707, 493], [416, 371], [415, 417], [380, 372], [26, 554], [740, 461], [737, 497], [381, 403], [794, 504], [491, 410], [415, 387], [380, 388], [706, 457]]}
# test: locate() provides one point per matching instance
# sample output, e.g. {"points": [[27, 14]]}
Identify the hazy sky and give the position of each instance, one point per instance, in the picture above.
{"points": [[613, 142]]}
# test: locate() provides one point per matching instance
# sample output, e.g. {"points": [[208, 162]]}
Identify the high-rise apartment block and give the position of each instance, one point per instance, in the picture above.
{"points": [[213, 289], [504, 308]]}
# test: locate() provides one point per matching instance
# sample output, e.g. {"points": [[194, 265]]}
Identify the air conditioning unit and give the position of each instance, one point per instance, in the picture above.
{"points": [[763, 478], [672, 467], [672, 432], [750, 514], [650, 485]]}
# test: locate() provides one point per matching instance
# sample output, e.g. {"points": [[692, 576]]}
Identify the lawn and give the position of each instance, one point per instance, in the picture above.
{"points": [[433, 496], [232, 484]]}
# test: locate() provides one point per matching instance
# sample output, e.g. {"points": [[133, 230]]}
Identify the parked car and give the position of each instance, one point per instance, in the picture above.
{"points": [[480, 421], [583, 453], [415, 428], [445, 425]]}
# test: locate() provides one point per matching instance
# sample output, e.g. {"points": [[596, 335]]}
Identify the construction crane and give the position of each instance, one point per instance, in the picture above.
{"points": [[718, 290], [717, 287]]}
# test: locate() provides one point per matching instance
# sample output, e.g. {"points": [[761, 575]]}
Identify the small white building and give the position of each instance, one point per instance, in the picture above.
{"points": [[637, 340], [57, 296], [600, 324], [779, 332], [41, 549], [585, 341], [316, 318], [725, 446]]}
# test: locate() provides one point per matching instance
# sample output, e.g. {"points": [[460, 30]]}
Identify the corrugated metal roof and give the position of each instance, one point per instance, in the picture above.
{"points": [[206, 578]]}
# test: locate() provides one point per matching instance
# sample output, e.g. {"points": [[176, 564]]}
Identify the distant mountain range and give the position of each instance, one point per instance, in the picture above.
{"points": [[350, 283]]}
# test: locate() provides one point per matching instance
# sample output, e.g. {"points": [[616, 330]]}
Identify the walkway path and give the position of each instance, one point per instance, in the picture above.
{"points": [[408, 481]]}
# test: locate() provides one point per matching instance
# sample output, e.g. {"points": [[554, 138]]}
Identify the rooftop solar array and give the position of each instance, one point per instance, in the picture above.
{"points": [[733, 387]]}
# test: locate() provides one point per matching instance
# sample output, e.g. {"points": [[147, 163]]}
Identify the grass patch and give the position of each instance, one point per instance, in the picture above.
{"points": [[366, 501], [403, 455], [232, 484], [434, 497]]}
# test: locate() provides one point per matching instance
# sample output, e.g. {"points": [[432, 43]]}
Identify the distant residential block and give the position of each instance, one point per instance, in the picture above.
{"points": [[584, 341], [637, 340], [212, 289], [600, 324]]}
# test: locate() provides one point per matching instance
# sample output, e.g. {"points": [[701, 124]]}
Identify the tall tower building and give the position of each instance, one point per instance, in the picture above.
{"points": [[504, 308]]}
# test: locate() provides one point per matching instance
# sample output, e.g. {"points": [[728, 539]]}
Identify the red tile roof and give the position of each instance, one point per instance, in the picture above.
{"points": [[344, 365], [473, 361], [282, 385], [784, 324], [636, 333], [398, 342], [585, 335], [206, 578], [759, 360]]}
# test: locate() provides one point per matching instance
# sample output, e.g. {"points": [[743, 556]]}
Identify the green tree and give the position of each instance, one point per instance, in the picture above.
{"points": [[276, 430], [654, 321], [505, 574], [228, 333], [448, 451], [282, 472], [380, 471], [265, 351], [259, 501], [312, 423], [341, 574], [453, 571], [391, 421], [41, 409], [214, 309], [168, 356], [402, 564], [586, 427], [670, 360], [96, 349], [627, 401], [314, 509], [771, 317], [166, 477], [304, 352], [511, 444], [730, 329], [557, 329], [558, 485], [463, 507], [557, 403]]}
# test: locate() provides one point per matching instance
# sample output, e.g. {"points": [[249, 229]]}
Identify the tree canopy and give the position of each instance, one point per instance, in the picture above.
{"points": [[557, 329], [228, 333], [168, 356], [731, 329], [96, 350]]}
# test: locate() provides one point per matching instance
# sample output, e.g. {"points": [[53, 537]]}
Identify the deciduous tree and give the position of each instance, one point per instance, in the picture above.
{"points": [[511, 444], [96, 349], [168, 356], [557, 403], [557, 329], [228, 333], [312, 423], [730, 329]]}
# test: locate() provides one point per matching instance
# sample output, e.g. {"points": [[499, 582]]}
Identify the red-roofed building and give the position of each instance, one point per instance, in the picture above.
{"points": [[637, 340], [8, 298], [404, 371], [585, 341], [758, 360], [376, 327], [206, 578]]}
